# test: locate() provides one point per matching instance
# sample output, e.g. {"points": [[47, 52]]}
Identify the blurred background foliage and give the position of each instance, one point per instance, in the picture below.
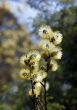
{"points": [[16, 40]]}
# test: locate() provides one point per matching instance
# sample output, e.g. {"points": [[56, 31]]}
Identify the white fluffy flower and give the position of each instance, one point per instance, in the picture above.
{"points": [[40, 75], [45, 32], [58, 55], [22, 59], [34, 55], [57, 38], [47, 46], [25, 74], [55, 49], [54, 65], [38, 85], [36, 90]]}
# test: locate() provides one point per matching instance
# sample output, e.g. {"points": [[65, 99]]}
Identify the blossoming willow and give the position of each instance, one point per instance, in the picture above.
{"points": [[38, 63]]}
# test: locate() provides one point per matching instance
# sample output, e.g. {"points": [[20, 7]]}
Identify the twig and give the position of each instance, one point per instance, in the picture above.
{"points": [[45, 94], [33, 97], [48, 63]]}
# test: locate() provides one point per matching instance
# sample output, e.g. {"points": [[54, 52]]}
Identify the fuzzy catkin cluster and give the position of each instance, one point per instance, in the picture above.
{"points": [[36, 62], [49, 44]]}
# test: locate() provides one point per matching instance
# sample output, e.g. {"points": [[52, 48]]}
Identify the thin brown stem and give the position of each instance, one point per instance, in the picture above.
{"points": [[33, 97], [48, 64], [45, 94], [42, 84]]}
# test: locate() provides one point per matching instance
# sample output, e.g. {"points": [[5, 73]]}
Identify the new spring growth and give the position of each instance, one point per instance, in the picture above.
{"points": [[36, 62]]}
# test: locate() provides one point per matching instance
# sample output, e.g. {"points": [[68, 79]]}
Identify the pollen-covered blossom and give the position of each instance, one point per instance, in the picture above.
{"points": [[47, 46], [54, 65], [32, 62], [34, 56], [38, 85], [40, 75], [43, 64], [57, 38], [34, 67], [30, 58], [57, 55], [22, 60], [36, 90], [25, 74], [45, 32]]}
